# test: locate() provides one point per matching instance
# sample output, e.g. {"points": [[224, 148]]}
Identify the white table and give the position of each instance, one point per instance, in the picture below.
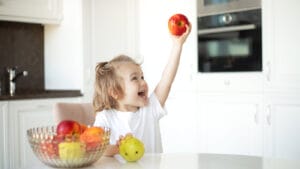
{"points": [[189, 161]]}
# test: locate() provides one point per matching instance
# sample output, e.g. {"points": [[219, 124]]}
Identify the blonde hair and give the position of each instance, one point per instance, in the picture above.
{"points": [[108, 81]]}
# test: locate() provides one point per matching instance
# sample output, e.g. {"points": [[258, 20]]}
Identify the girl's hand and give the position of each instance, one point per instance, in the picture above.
{"points": [[122, 138], [114, 149], [181, 39], [111, 150]]}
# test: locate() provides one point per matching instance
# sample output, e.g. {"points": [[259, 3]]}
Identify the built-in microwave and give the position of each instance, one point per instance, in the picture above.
{"points": [[230, 42], [212, 7]]}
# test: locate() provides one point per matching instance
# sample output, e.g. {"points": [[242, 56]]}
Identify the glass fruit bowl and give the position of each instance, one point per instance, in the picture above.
{"points": [[65, 152]]}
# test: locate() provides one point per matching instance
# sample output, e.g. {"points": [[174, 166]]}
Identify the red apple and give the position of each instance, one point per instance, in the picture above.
{"points": [[68, 128], [177, 24]]}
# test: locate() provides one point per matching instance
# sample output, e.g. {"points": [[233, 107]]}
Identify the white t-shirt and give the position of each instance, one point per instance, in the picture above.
{"points": [[143, 124]]}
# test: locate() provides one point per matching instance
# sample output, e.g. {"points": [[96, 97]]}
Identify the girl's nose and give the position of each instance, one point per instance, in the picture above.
{"points": [[143, 82]]}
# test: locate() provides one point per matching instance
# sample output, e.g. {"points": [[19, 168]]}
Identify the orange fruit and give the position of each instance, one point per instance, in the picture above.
{"points": [[83, 127], [92, 137]]}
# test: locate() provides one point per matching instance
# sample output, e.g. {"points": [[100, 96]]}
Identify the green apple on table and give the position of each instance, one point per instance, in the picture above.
{"points": [[131, 148]]}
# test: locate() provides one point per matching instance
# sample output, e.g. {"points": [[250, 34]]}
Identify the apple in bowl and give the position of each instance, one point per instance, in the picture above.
{"points": [[68, 128]]}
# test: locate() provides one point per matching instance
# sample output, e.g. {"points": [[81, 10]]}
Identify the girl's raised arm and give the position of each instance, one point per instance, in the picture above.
{"points": [[164, 86]]}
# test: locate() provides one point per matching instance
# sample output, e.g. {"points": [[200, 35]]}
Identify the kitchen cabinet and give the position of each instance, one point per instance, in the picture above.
{"points": [[277, 87], [282, 126], [22, 115], [282, 78], [280, 42], [35, 11], [230, 125], [230, 82], [3, 134]]}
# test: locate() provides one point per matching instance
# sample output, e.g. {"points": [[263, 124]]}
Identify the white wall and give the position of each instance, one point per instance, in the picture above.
{"points": [[64, 49], [155, 42]]}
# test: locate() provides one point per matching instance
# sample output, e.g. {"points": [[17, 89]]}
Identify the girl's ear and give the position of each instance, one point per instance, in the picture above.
{"points": [[114, 94]]}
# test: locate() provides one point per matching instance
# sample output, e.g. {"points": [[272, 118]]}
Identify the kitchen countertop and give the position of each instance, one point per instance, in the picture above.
{"points": [[42, 94], [188, 161]]}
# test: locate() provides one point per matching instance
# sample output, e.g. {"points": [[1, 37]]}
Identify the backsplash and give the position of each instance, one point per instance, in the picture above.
{"points": [[22, 45]]}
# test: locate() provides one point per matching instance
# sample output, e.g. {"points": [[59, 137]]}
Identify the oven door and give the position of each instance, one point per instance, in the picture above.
{"points": [[230, 49]]}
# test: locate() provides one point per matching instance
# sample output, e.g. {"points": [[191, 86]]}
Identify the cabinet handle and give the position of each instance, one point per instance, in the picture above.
{"points": [[226, 29], [256, 119], [227, 82], [42, 106], [269, 115], [268, 70]]}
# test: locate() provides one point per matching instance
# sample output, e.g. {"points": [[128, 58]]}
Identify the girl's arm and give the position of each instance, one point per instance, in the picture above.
{"points": [[111, 150], [163, 87]]}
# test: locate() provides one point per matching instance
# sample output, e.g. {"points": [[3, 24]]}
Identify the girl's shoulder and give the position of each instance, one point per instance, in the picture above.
{"points": [[153, 108], [153, 100], [103, 118], [103, 113]]}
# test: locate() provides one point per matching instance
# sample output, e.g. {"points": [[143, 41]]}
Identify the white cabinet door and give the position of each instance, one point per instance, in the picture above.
{"points": [[282, 126], [282, 84], [281, 45], [36, 11], [22, 116], [230, 124], [3, 134], [230, 82]]}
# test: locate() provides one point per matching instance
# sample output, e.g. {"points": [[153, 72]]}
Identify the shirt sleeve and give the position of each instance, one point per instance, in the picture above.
{"points": [[156, 108], [101, 120]]}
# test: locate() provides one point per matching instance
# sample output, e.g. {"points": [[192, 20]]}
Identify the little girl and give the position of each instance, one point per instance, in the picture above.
{"points": [[122, 103]]}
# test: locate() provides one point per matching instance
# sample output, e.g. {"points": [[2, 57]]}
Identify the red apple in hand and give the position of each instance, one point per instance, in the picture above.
{"points": [[68, 128], [177, 24]]}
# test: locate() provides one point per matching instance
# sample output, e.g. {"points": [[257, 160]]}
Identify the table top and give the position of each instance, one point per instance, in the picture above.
{"points": [[188, 161]]}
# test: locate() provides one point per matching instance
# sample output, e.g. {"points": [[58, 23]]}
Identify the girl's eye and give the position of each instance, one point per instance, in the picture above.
{"points": [[142, 77], [134, 78]]}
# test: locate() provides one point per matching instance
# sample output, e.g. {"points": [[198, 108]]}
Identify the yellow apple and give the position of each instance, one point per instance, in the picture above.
{"points": [[131, 148], [70, 150]]}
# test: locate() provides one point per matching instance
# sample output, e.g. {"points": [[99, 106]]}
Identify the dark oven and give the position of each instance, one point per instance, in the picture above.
{"points": [[230, 42]]}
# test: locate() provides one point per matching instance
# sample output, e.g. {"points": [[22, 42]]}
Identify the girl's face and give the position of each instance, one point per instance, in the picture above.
{"points": [[134, 86]]}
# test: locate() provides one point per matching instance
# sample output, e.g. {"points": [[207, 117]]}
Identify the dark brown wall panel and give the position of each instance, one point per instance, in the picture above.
{"points": [[22, 45]]}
